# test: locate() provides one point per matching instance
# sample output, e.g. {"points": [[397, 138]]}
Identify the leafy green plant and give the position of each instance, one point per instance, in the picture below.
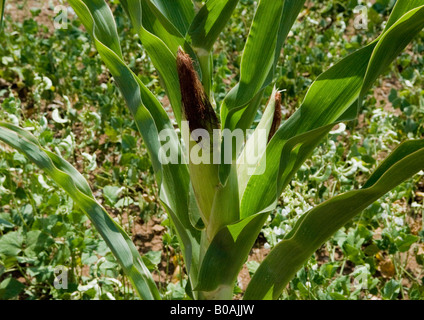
{"points": [[218, 207]]}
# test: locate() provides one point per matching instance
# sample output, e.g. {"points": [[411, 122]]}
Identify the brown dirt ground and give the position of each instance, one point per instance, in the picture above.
{"points": [[21, 10]]}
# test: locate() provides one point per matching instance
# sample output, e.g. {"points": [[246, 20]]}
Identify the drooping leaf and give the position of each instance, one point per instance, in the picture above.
{"points": [[76, 186], [317, 225], [331, 98], [151, 119]]}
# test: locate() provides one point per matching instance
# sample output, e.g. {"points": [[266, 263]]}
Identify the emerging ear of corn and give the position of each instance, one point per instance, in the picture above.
{"points": [[197, 109], [200, 128]]}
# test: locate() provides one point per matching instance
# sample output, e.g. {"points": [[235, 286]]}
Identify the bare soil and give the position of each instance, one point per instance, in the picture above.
{"points": [[20, 10]]}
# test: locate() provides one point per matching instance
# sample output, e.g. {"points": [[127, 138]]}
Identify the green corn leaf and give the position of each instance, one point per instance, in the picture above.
{"points": [[331, 98], [161, 47], [400, 8], [228, 251], [162, 57], [180, 13], [77, 187], [245, 116], [401, 33], [252, 152], [2, 4], [317, 225], [146, 14], [151, 119], [132, 89], [260, 56], [209, 22], [282, 160], [204, 30]]}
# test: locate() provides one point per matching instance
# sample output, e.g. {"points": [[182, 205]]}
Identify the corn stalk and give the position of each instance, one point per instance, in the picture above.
{"points": [[218, 207]]}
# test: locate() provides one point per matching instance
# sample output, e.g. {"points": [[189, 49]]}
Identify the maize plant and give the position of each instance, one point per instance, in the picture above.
{"points": [[218, 191]]}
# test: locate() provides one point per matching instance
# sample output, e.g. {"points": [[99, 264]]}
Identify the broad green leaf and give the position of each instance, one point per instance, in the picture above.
{"points": [[75, 185], [36, 241], [11, 243], [111, 193], [10, 288], [209, 22], [317, 225]]}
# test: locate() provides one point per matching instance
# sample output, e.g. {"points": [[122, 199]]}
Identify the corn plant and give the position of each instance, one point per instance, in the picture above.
{"points": [[219, 205]]}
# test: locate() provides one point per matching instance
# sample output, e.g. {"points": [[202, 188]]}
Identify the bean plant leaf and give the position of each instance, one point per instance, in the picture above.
{"points": [[317, 225], [76, 186]]}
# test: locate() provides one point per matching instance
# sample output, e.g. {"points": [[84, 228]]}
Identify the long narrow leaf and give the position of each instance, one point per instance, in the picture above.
{"points": [[162, 54], [331, 98], [209, 22], [401, 33], [151, 119], [317, 225], [180, 13], [2, 4], [245, 116], [260, 56], [77, 187]]}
